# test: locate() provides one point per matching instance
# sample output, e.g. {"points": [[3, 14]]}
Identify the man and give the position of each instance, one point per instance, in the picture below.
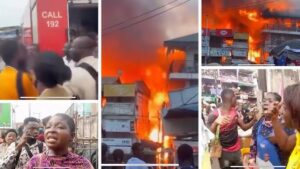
{"points": [[263, 138], [137, 152], [15, 81], [185, 156], [227, 117], [84, 81], [19, 153], [67, 58]]}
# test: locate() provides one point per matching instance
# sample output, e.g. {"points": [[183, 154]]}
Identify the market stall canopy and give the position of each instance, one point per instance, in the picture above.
{"points": [[291, 45]]}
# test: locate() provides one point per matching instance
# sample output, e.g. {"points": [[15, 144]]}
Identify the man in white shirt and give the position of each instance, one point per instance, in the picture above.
{"points": [[67, 58], [84, 81], [137, 151]]}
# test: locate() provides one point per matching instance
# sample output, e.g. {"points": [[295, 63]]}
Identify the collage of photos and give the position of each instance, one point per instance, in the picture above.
{"points": [[48, 65], [132, 93]]}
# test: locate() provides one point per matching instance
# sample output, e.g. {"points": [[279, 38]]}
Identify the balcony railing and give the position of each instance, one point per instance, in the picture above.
{"points": [[283, 27]]}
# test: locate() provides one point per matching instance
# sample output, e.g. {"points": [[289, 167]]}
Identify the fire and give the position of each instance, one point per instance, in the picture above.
{"points": [[252, 15], [229, 42], [154, 135], [250, 19]]}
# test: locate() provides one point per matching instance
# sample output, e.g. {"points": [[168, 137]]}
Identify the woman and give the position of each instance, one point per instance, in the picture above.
{"points": [[291, 114], [51, 73], [9, 137], [290, 110], [264, 148], [59, 134]]}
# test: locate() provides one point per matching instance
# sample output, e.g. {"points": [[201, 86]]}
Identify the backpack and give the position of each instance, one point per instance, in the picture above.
{"points": [[40, 147], [92, 72]]}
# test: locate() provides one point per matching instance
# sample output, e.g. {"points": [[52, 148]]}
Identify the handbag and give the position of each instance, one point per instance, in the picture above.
{"points": [[215, 145]]}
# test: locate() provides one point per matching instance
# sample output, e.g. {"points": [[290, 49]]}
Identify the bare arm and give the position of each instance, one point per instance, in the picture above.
{"points": [[213, 122], [246, 126], [284, 141]]}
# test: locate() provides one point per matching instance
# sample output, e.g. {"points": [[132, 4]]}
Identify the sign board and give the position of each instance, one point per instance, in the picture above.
{"points": [[205, 41], [52, 25], [118, 125], [118, 109], [240, 52], [241, 36], [226, 33], [119, 90], [117, 141], [219, 52], [243, 45], [5, 115]]}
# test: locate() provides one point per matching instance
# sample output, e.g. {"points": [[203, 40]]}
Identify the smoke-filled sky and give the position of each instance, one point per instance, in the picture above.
{"points": [[131, 49]]}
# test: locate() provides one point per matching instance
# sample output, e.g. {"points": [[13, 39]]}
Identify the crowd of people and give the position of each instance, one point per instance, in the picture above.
{"points": [[37, 145], [30, 74], [275, 139], [184, 153]]}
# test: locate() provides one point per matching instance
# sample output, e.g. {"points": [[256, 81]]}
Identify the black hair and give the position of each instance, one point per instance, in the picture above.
{"points": [[8, 50], [104, 149], [51, 70], [45, 120], [30, 119], [118, 155], [135, 147], [277, 97], [9, 131], [20, 130], [226, 92], [69, 120], [185, 153]]}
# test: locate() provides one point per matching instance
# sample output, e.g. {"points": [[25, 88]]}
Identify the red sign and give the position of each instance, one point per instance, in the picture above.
{"points": [[52, 25], [224, 33]]}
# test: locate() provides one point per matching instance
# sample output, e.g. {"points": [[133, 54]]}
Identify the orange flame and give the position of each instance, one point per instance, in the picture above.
{"points": [[245, 19]]}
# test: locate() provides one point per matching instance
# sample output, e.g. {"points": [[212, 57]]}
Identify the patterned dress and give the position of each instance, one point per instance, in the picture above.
{"points": [[68, 161]]}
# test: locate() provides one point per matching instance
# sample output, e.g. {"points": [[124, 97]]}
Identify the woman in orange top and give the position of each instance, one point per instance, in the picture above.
{"points": [[15, 81]]}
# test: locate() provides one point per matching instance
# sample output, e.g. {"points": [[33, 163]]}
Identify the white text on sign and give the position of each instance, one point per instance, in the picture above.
{"points": [[52, 15]]}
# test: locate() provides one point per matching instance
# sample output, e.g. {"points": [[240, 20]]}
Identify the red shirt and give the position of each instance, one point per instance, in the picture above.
{"points": [[232, 126]]}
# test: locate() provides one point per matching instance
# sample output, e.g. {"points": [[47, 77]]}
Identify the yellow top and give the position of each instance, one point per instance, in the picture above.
{"points": [[8, 84], [294, 160]]}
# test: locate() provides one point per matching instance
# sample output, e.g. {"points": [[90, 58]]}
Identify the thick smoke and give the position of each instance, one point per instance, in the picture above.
{"points": [[136, 48]]}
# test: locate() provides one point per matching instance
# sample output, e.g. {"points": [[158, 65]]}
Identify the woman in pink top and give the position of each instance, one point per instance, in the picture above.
{"points": [[59, 133]]}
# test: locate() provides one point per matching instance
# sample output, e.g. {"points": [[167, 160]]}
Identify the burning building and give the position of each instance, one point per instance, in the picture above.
{"points": [[125, 114], [268, 24], [180, 118]]}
